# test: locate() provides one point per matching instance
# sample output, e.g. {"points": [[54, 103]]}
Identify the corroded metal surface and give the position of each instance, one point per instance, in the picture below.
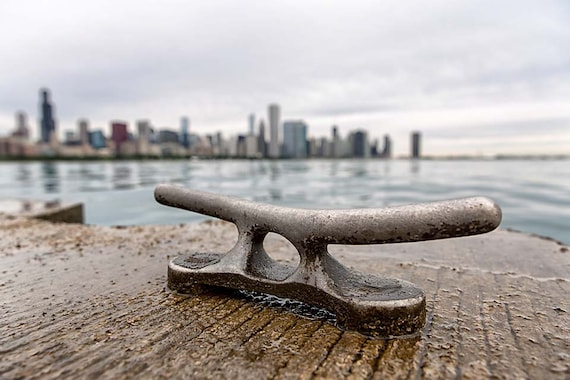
{"points": [[371, 304]]}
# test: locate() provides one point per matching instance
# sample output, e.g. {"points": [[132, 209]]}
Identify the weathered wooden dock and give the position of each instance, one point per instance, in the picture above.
{"points": [[82, 301]]}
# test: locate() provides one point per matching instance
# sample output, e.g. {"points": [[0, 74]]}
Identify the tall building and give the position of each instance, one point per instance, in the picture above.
{"points": [[295, 139], [312, 147], [97, 139], [70, 138], [289, 140], [336, 143], [184, 132], [22, 131], [169, 142], [374, 148], [261, 144], [274, 131], [167, 136], [360, 145], [240, 146], [251, 146], [83, 126], [416, 141], [47, 121], [119, 135], [218, 144], [387, 150], [144, 131], [324, 149], [251, 120]]}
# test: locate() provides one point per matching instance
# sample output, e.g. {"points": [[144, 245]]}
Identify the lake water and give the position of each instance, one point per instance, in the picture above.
{"points": [[534, 195]]}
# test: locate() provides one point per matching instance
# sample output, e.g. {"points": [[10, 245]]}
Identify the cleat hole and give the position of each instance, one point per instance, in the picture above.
{"points": [[281, 250]]}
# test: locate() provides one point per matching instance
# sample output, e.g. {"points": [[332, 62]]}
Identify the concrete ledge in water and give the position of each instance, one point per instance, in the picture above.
{"points": [[53, 211]]}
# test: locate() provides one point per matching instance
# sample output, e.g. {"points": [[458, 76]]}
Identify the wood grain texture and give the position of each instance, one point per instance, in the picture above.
{"points": [[86, 301]]}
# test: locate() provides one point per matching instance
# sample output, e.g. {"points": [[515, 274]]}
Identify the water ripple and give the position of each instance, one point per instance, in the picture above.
{"points": [[534, 195]]}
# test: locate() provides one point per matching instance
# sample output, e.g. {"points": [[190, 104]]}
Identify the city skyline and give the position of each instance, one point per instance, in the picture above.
{"points": [[288, 139], [477, 78], [403, 150]]}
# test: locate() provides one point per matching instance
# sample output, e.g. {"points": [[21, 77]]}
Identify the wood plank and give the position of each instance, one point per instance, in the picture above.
{"points": [[90, 301]]}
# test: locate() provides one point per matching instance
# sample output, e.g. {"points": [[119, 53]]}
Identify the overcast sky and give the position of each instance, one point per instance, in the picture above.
{"points": [[474, 76]]}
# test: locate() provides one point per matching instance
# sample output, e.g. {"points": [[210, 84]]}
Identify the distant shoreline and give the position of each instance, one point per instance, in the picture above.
{"points": [[500, 157]]}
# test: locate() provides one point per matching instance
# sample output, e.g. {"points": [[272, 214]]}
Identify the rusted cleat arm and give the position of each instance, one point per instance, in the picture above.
{"points": [[417, 222]]}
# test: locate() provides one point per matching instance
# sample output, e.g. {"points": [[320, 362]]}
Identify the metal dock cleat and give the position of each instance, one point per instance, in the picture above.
{"points": [[373, 305]]}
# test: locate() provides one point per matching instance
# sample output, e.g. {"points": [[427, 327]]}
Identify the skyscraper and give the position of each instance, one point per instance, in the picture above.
{"points": [[47, 122], [119, 135], [295, 139], [83, 126], [336, 143], [22, 131], [168, 136], [184, 132], [261, 144], [360, 146], [251, 120], [143, 139], [387, 150], [217, 149], [324, 148], [416, 141], [274, 131], [97, 139]]}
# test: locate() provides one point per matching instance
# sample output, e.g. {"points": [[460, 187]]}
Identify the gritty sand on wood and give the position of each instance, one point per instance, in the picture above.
{"points": [[84, 301]]}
